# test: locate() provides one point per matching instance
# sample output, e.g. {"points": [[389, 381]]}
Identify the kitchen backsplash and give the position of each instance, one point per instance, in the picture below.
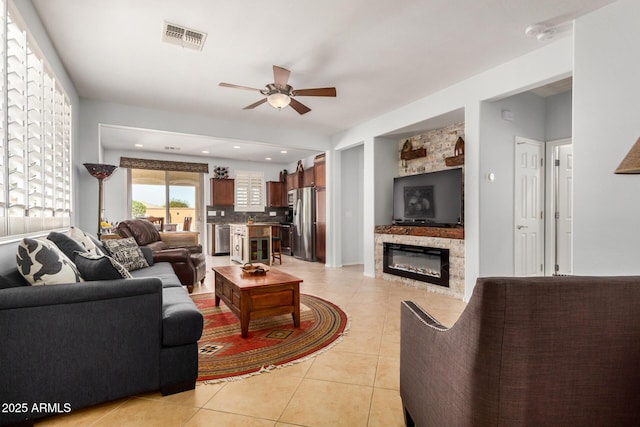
{"points": [[227, 214]]}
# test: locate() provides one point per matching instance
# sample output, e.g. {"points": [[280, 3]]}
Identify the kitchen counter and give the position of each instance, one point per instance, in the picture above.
{"points": [[251, 242], [256, 224]]}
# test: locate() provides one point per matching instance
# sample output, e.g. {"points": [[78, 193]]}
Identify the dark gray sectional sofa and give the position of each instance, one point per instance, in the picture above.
{"points": [[65, 347]]}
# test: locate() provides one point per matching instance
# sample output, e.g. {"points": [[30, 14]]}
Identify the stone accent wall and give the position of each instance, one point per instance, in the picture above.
{"points": [[440, 143], [456, 262]]}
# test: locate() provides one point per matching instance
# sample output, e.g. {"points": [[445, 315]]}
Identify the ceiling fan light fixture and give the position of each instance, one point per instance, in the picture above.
{"points": [[278, 100]]}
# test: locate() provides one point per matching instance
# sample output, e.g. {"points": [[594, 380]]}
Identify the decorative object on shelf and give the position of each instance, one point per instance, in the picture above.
{"points": [[408, 153], [250, 220], [458, 150], [413, 154], [631, 162], [221, 172], [458, 154], [300, 168], [283, 175], [454, 160], [407, 146], [100, 172]]}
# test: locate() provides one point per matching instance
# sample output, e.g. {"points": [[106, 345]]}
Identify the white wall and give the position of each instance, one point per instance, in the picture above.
{"points": [[549, 63], [605, 112], [351, 214], [386, 158], [558, 116], [497, 156]]}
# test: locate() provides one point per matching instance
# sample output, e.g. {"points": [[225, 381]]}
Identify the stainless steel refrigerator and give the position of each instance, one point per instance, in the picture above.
{"points": [[304, 221]]}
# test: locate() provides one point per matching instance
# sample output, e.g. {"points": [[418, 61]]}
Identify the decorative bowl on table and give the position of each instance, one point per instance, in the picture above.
{"points": [[255, 269]]}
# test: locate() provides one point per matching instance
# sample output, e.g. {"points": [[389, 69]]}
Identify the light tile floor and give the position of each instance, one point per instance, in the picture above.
{"points": [[356, 383]]}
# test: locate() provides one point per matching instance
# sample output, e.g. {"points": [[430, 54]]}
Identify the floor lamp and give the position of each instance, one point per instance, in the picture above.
{"points": [[101, 172], [631, 162]]}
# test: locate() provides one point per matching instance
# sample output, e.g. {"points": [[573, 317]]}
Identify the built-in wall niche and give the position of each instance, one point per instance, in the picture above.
{"points": [[428, 151], [434, 148]]}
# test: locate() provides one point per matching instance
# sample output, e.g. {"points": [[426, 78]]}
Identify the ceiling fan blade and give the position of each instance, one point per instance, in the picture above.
{"points": [[280, 76], [321, 91], [255, 104], [232, 86], [299, 107]]}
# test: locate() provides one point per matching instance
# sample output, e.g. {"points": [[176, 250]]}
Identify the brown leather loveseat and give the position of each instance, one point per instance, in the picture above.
{"points": [[189, 263]]}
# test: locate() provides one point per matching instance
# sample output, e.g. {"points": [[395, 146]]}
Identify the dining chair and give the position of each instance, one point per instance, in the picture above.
{"points": [[158, 221]]}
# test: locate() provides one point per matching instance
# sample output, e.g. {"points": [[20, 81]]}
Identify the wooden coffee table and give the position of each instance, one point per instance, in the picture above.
{"points": [[254, 296]]}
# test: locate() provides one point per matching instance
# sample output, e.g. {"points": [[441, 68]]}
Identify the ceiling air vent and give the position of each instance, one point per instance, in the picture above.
{"points": [[168, 148], [182, 36]]}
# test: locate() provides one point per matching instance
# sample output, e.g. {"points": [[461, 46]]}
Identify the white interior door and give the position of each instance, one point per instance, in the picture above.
{"points": [[564, 211], [529, 207]]}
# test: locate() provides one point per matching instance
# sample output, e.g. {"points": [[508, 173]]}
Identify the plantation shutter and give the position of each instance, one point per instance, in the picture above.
{"points": [[35, 135], [249, 189]]}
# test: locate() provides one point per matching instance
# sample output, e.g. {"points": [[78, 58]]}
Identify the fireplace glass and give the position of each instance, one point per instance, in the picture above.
{"points": [[426, 264]]}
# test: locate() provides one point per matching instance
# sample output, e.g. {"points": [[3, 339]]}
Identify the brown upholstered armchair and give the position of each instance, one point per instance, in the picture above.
{"points": [[561, 351], [189, 263]]}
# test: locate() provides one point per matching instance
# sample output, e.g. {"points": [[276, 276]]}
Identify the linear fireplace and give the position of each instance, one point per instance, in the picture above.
{"points": [[426, 264]]}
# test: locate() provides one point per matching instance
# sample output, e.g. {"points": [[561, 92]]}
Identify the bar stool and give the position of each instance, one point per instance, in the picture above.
{"points": [[276, 249]]}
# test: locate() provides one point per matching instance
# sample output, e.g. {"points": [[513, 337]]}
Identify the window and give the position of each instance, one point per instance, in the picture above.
{"points": [[169, 190], [35, 136], [249, 188], [171, 195]]}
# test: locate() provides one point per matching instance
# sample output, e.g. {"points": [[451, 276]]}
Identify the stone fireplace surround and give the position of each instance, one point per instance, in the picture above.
{"points": [[447, 238], [439, 144]]}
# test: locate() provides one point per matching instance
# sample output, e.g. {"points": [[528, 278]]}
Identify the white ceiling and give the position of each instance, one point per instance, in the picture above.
{"points": [[125, 139], [379, 54]]}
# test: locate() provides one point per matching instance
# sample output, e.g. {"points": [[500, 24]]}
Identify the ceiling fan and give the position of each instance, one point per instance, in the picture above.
{"points": [[279, 94]]}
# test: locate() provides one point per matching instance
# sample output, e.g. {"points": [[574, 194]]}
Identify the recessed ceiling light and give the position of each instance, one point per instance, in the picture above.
{"points": [[236, 146], [138, 145], [267, 158], [205, 152], [283, 151]]}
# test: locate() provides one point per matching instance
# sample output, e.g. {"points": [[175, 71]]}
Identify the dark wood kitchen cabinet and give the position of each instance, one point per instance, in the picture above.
{"points": [[222, 192], [308, 178], [321, 206], [321, 224], [276, 194], [320, 170], [294, 180]]}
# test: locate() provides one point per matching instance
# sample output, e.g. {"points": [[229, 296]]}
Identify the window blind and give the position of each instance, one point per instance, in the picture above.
{"points": [[35, 142], [249, 191]]}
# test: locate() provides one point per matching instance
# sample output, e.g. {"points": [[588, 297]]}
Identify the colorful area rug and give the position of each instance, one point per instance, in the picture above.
{"points": [[273, 342]]}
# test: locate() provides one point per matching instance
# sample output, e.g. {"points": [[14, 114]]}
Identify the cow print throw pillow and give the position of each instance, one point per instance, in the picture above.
{"points": [[42, 263]]}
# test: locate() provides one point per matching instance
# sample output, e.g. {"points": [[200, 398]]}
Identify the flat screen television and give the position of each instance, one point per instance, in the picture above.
{"points": [[431, 199]]}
